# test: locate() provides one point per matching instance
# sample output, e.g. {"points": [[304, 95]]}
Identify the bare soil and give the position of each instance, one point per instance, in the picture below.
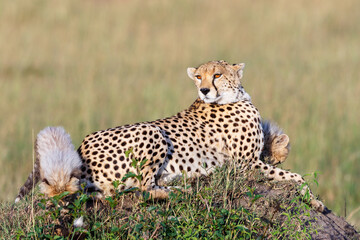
{"points": [[329, 226]]}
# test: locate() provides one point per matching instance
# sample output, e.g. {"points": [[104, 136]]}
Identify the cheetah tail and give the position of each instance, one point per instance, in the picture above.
{"points": [[277, 146], [32, 180]]}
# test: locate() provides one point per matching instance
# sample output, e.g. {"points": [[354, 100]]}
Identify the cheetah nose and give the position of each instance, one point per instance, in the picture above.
{"points": [[204, 90]]}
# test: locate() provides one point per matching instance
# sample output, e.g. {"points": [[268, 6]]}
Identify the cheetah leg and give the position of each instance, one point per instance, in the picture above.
{"points": [[167, 179], [278, 174], [155, 167], [158, 192], [155, 186], [161, 192], [153, 171], [149, 184]]}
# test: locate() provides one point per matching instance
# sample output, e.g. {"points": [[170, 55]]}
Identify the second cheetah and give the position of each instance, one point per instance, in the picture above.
{"points": [[57, 164]]}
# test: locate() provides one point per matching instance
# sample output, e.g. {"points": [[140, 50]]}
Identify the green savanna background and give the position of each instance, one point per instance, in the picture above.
{"points": [[91, 64]]}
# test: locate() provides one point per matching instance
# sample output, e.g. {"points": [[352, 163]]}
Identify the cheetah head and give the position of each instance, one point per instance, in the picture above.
{"points": [[219, 82], [62, 175]]}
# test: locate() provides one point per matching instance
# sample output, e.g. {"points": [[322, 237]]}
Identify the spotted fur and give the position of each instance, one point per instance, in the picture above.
{"points": [[221, 126]]}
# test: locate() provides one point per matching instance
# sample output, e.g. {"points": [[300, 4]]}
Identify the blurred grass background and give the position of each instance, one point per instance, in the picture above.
{"points": [[90, 65]]}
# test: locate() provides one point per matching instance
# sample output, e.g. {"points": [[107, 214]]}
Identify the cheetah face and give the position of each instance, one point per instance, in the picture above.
{"points": [[52, 187], [219, 82], [59, 176]]}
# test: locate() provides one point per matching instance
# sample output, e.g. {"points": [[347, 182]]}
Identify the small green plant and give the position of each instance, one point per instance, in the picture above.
{"points": [[138, 164], [251, 194], [200, 214], [45, 223]]}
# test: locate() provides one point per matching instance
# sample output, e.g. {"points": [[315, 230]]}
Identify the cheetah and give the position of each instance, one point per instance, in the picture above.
{"points": [[276, 144], [53, 148], [220, 126], [57, 164]]}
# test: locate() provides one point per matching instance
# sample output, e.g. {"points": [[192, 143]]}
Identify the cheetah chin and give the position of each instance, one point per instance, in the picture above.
{"points": [[210, 100]]}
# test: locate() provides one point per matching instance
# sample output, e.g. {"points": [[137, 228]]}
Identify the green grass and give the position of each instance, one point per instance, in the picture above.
{"points": [[223, 206], [90, 65]]}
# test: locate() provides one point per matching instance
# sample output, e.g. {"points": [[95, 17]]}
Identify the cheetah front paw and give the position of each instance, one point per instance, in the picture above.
{"points": [[317, 205], [187, 190]]}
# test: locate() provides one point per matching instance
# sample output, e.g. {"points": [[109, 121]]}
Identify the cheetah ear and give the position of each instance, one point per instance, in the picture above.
{"points": [[76, 173], [191, 72], [282, 140], [239, 68]]}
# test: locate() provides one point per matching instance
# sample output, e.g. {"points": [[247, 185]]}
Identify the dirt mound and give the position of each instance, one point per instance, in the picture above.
{"points": [[328, 225], [225, 205]]}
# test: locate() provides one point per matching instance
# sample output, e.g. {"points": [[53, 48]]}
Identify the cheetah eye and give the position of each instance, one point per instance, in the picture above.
{"points": [[198, 77], [217, 75]]}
